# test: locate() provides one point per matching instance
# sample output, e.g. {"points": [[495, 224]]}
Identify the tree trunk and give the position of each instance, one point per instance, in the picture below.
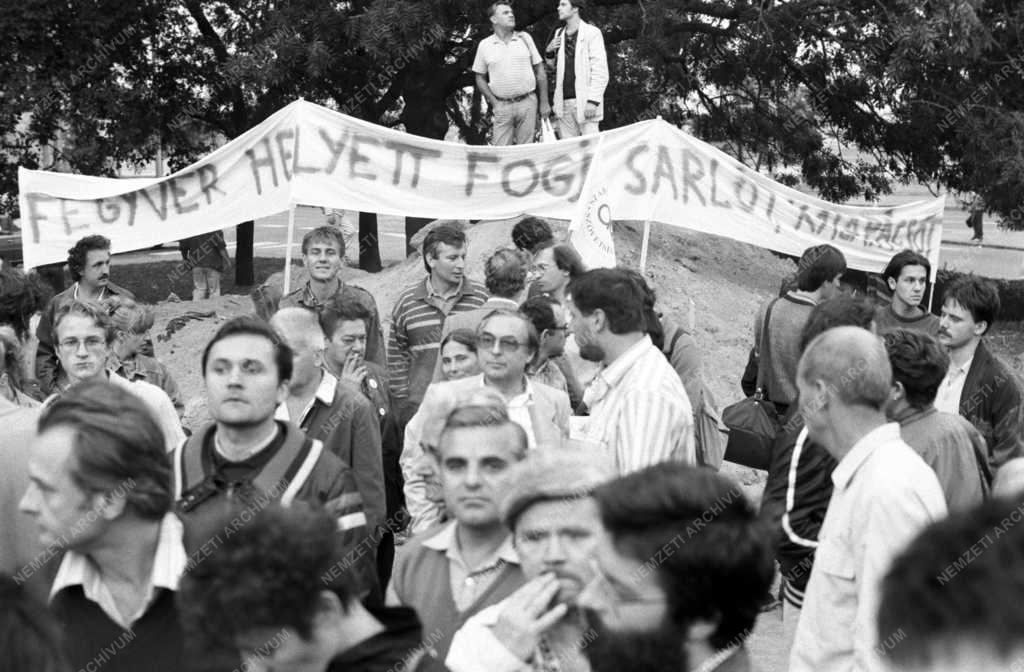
{"points": [[244, 272], [369, 243]]}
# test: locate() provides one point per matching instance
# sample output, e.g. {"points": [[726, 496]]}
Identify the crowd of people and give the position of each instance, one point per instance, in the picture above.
{"points": [[515, 474]]}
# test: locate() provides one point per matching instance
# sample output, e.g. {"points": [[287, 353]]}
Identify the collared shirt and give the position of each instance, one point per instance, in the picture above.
{"points": [[467, 583], [169, 564], [520, 410], [549, 374], [155, 399], [639, 411], [151, 370], [443, 302], [883, 495], [508, 65], [324, 392], [947, 399]]}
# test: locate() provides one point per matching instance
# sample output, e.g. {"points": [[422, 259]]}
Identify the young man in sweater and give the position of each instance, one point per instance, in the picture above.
{"points": [[907, 277], [419, 315], [449, 573], [274, 591], [817, 278], [100, 488]]}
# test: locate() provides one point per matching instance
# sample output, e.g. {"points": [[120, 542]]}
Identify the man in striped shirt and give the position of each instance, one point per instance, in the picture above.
{"points": [[639, 411], [419, 315]]}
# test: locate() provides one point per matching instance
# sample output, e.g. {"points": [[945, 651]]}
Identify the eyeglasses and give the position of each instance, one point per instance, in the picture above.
{"points": [[91, 343], [507, 344]]}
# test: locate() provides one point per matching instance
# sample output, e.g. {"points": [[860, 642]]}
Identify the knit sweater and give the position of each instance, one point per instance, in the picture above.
{"points": [[93, 641], [789, 315], [886, 321], [421, 580], [415, 337]]}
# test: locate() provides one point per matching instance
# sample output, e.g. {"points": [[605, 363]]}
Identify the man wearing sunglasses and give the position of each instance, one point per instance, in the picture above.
{"points": [[506, 343], [680, 573]]}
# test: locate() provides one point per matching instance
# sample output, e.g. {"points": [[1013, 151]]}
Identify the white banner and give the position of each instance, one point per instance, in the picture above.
{"points": [[307, 154]]}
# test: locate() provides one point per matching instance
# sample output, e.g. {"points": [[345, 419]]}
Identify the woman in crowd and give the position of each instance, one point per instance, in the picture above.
{"points": [[458, 355]]}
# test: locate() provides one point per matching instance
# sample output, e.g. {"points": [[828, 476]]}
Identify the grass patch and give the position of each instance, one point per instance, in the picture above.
{"points": [[153, 282]]}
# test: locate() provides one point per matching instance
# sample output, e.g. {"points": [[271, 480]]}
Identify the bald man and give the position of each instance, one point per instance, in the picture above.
{"points": [[332, 411], [884, 494]]}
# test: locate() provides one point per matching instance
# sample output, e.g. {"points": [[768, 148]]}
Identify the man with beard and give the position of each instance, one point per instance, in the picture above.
{"points": [[679, 575], [555, 528], [977, 385], [639, 411], [89, 263]]}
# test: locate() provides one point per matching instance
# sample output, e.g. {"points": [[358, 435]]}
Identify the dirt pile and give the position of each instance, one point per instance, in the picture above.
{"points": [[724, 280]]}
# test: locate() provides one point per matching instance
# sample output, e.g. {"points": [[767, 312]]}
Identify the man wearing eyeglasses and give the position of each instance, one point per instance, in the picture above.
{"points": [[506, 343], [84, 334], [680, 573], [555, 527]]}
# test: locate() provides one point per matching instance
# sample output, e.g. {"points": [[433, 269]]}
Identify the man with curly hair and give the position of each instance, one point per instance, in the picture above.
{"points": [[89, 262], [276, 592]]}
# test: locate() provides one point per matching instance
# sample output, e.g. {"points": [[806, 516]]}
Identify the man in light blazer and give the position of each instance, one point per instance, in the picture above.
{"points": [[579, 89], [507, 342]]}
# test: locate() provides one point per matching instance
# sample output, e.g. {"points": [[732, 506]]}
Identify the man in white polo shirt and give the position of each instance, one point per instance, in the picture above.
{"points": [[510, 75]]}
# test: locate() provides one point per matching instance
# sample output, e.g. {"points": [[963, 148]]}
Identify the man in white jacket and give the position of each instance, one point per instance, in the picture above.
{"points": [[579, 89]]}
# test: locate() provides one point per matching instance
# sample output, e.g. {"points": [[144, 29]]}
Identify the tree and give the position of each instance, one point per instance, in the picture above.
{"points": [[846, 97]]}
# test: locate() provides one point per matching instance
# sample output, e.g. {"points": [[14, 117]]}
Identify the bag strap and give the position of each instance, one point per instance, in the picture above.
{"points": [[764, 356]]}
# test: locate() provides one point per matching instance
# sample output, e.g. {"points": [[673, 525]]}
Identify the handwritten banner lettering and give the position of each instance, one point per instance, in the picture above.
{"points": [[308, 154]]}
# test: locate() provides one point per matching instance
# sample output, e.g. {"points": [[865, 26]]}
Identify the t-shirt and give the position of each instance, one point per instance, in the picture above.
{"points": [[886, 321], [569, 75]]}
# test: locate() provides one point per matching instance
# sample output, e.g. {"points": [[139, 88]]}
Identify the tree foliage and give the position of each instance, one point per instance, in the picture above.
{"points": [[847, 97]]}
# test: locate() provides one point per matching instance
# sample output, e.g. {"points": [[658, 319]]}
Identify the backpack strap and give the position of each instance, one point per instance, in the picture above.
{"points": [[188, 465], [765, 351], [316, 448]]}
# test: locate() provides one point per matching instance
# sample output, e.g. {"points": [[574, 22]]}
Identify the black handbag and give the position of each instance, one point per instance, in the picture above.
{"points": [[753, 423]]}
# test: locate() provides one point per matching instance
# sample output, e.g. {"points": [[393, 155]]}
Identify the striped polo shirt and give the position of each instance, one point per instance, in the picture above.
{"points": [[639, 412], [508, 65], [415, 335]]}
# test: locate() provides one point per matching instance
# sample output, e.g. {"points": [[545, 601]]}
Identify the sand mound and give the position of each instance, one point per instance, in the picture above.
{"points": [[725, 280]]}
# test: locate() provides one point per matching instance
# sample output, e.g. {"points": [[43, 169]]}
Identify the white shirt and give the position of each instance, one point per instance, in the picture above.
{"points": [[155, 399], [169, 564], [883, 495], [324, 392], [467, 583], [639, 411], [947, 399]]}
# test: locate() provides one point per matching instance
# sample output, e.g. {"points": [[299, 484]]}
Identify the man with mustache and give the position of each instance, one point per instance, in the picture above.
{"points": [[907, 277], [639, 412], [977, 385], [680, 573], [89, 263], [555, 528]]}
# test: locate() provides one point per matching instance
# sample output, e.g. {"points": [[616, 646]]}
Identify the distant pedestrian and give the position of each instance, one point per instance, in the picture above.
{"points": [[976, 220], [207, 254], [510, 75]]}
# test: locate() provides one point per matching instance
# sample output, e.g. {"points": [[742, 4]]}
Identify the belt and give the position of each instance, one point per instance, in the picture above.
{"points": [[515, 99]]}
